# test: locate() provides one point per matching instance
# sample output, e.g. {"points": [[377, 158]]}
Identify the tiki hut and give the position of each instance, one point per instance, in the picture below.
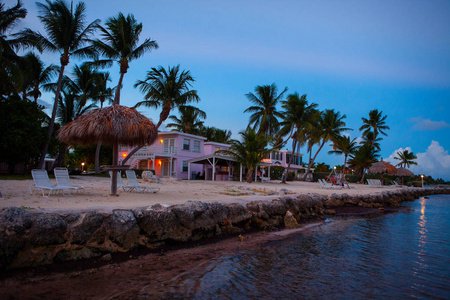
{"points": [[382, 167], [112, 125], [402, 172]]}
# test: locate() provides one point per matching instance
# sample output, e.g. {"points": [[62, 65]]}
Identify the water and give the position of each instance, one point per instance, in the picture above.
{"points": [[398, 255]]}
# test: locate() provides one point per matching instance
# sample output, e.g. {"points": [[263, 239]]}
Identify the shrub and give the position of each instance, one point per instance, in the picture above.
{"points": [[276, 172]]}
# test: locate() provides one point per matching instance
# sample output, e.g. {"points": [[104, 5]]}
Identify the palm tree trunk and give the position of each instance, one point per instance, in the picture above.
{"points": [[52, 121], [312, 161], [345, 163], [119, 86], [97, 158], [362, 178], [250, 175]]}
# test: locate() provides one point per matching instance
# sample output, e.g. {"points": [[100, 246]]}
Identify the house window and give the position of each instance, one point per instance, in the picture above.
{"points": [[169, 146], [186, 144], [196, 146], [217, 150], [185, 166]]}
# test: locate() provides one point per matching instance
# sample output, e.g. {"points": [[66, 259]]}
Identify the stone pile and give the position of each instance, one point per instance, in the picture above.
{"points": [[33, 237]]}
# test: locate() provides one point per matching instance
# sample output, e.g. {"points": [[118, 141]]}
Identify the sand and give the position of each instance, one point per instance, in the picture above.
{"points": [[17, 193]]}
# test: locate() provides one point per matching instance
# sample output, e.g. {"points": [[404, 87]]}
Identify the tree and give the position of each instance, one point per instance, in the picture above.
{"points": [[35, 75], [330, 127], [67, 34], [9, 70], [120, 39], [168, 89], [214, 134], [250, 151], [264, 111], [343, 145], [22, 138], [368, 139], [190, 120], [406, 158], [375, 124], [297, 116], [362, 159]]}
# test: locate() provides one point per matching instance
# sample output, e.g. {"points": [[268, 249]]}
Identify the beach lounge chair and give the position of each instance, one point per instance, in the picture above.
{"points": [[132, 181], [42, 183], [63, 180], [326, 185], [374, 183], [120, 183]]}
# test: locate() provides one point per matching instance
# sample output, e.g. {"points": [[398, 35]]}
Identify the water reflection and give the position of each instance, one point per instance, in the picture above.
{"points": [[400, 255]]}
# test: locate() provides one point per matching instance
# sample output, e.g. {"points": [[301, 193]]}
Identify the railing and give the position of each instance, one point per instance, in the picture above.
{"points": [[155, 150]]}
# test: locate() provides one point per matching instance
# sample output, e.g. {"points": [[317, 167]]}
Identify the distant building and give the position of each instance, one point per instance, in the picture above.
{"points": [[188, 156]]}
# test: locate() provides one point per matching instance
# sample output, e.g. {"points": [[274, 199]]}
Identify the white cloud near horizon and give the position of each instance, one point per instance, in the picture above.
{"points": [[427, 124], [435, 161]]}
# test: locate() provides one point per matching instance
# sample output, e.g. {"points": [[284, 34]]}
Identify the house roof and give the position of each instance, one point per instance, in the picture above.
{"points": [[182, 134], [221, 160], [217, 144]]}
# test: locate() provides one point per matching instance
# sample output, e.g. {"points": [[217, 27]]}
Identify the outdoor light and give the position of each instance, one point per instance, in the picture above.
{"points": [[422, 179], [82, 167]]}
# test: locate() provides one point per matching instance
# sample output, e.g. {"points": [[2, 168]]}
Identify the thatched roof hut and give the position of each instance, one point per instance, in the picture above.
{"points": [[402, 172], [114, 124], [381, 167]]}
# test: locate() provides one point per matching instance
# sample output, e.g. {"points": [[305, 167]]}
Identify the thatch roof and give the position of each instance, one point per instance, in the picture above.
{"points": [[402, 172], [114, 124], [382, 167]]}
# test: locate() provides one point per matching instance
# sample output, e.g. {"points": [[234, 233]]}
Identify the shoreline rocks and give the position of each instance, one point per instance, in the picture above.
{"points": [[32, 237]]}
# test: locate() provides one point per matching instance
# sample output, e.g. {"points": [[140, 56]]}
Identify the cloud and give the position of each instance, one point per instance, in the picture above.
{"points": [[435, 161], [427, 124]]}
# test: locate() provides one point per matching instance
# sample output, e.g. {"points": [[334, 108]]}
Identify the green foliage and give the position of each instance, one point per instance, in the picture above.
{"points": [[276, 172], [22, 134], [87, 155]]}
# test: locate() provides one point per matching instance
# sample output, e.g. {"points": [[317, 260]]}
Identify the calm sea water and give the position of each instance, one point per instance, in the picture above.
{"points": [[398, 255]]}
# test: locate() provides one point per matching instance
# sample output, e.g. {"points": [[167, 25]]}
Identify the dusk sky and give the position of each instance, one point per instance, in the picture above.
{"points": [[353, 56]]}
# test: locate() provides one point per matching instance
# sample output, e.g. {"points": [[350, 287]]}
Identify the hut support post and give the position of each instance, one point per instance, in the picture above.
{"points": [[114, 172]]}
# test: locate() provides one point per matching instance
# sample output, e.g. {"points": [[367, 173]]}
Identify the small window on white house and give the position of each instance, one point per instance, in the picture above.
{"points": [[186, 144], [196, 146], [185, 166]]}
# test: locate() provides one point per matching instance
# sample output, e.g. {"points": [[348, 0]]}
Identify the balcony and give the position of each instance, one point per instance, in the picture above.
{"points": [[150, 151]]}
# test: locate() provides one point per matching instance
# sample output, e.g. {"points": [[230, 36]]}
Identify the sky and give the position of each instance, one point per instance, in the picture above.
{"points": [[351, 56]]}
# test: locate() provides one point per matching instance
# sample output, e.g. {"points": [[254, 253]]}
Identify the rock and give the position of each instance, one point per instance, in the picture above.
{"points": [[106, 257], [289, 221], [329, 211], [47, 229], [88, 224], [124, 229]]}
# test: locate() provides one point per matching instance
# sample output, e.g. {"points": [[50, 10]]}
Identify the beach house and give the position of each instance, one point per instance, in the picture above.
{"points": [[187, 156]]}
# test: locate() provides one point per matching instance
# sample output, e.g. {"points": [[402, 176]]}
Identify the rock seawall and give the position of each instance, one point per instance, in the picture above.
{"points": [[32, 237]]}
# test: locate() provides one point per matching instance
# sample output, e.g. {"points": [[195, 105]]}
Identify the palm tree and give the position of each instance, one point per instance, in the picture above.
{"points": [[36, 75], [67, 34], [368, 139], [120, 43], [168, 89], [214, 134], [344, 145], [250, 151], [264, 112], [9, 70], [362, 159], [296, 118], [189, 121], [331, 125], [406, 158], [375, 124]]}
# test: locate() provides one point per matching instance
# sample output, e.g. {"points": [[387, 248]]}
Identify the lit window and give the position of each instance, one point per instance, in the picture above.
{"points": [[186, 144], [217, 149]]}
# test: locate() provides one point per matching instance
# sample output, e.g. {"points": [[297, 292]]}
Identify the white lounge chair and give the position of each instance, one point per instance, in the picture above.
{"points": [[63, 180], [42, 183], [326, 185], [374, 183], [132, 181], [120, 183]]}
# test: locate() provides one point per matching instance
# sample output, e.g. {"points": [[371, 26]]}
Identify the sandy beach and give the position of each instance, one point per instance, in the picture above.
{"points": [[17, 193]]}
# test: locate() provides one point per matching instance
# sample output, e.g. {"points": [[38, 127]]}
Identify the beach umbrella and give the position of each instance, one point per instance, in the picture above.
{"points": [[112, 125], [402, 172]]}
